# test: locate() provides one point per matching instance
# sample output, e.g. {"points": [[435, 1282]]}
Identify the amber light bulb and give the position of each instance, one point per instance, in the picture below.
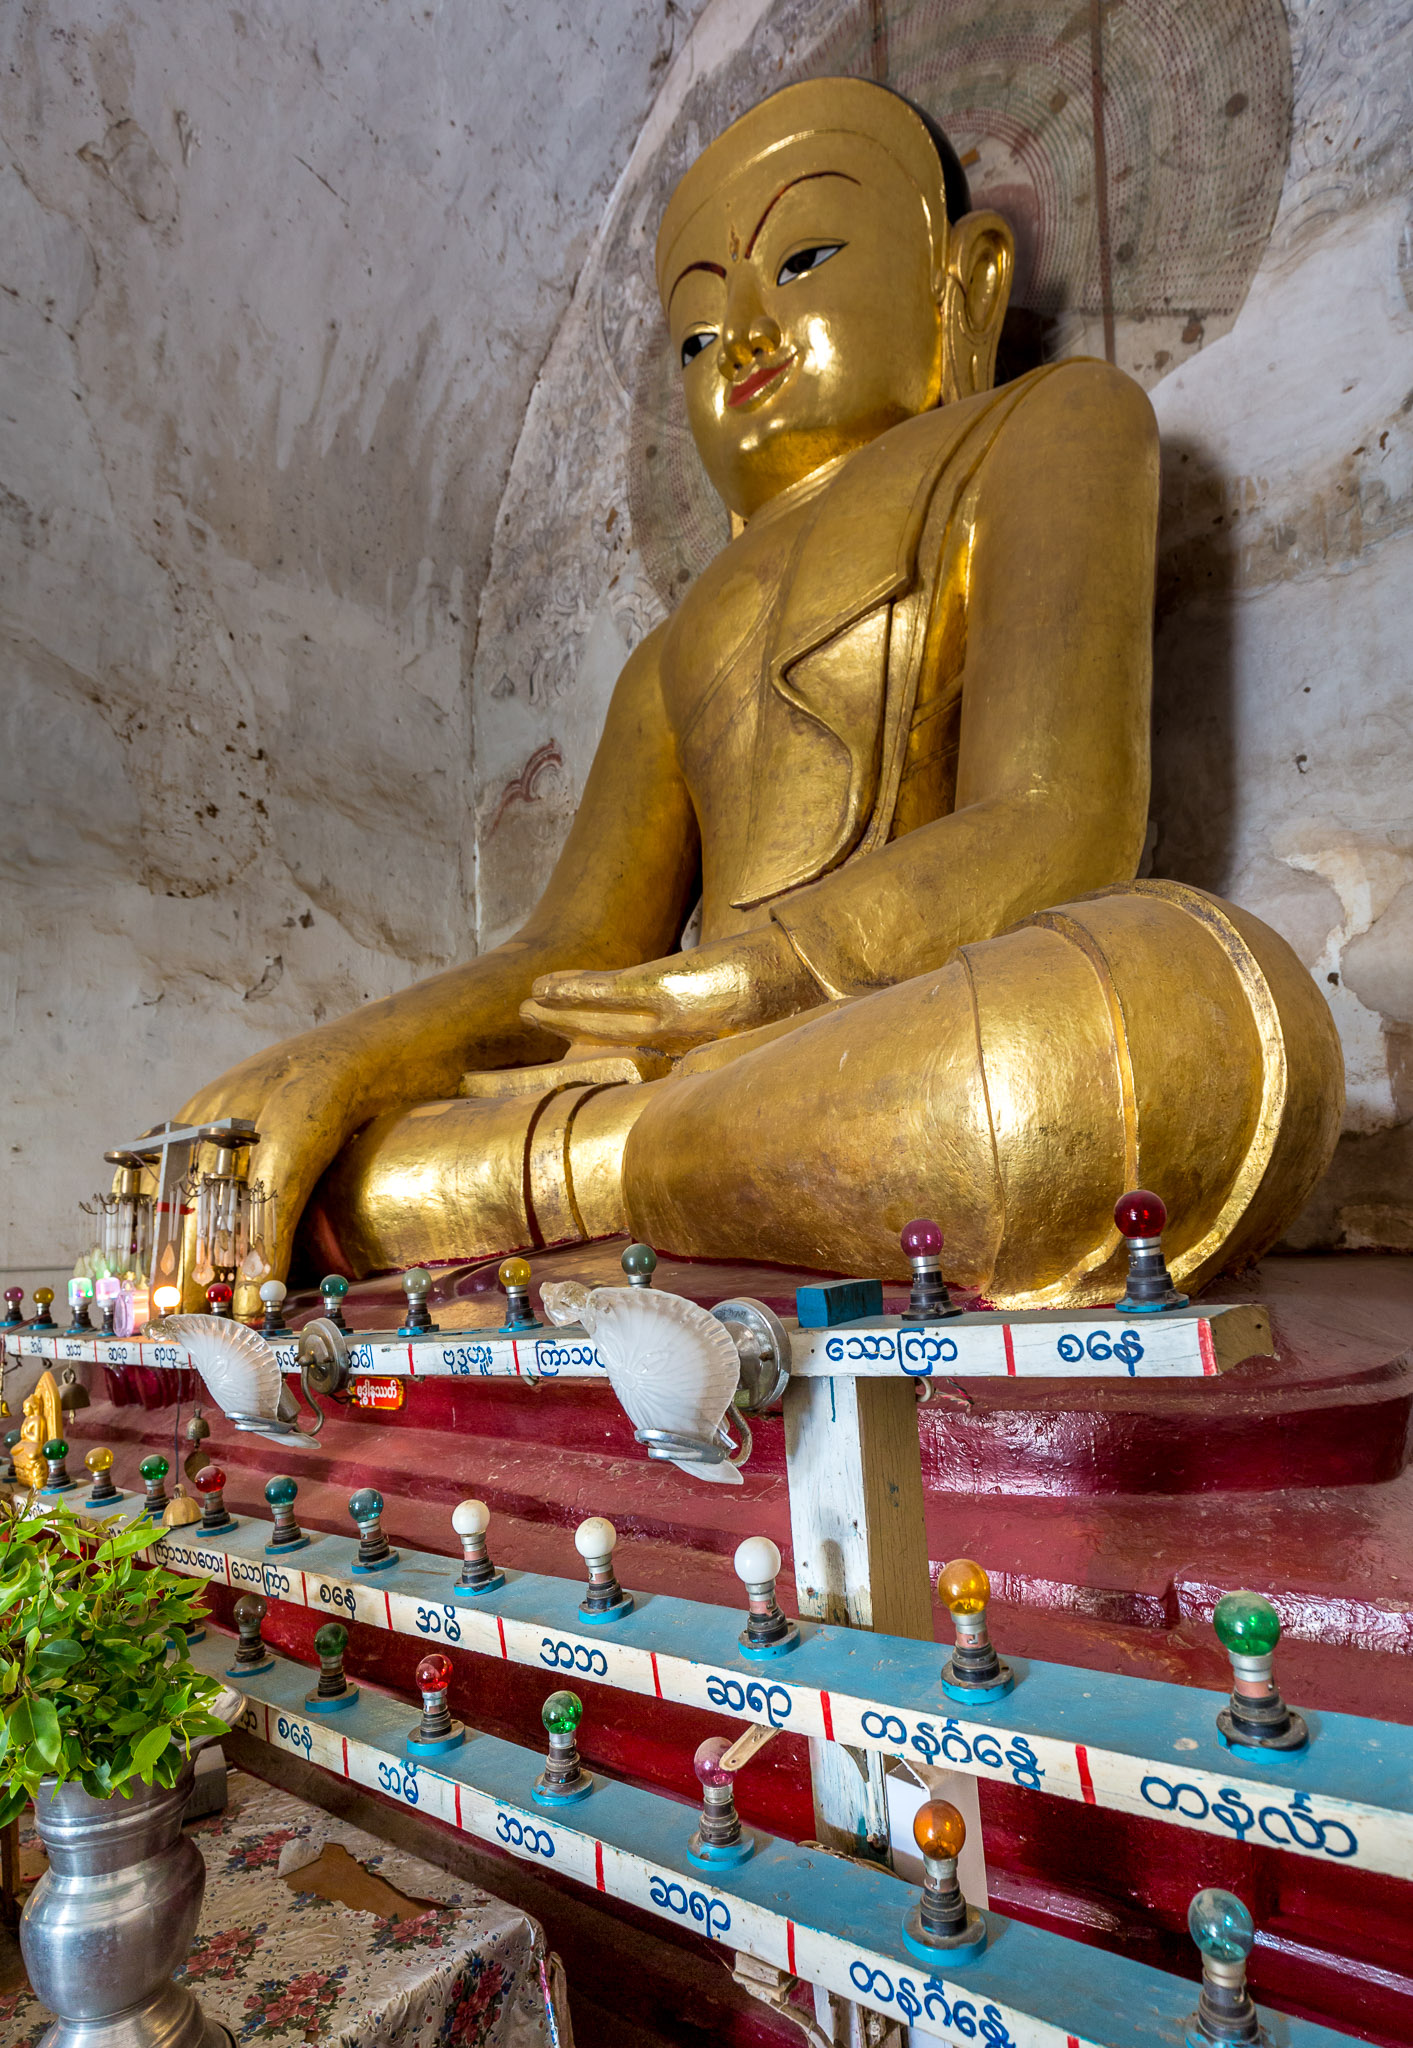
{"points": [[964, 1587], [939, 1830], [973, 1670], [514, 1273]]}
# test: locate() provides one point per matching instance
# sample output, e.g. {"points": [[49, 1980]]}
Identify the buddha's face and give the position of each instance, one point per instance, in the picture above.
{"points": [[803, 302]]}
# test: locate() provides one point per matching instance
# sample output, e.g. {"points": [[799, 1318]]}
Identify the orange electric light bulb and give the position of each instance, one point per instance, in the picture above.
{"points": [[938, 1829], [964, 1586], [98, 1459], [514, 1272], [165, 1299]]}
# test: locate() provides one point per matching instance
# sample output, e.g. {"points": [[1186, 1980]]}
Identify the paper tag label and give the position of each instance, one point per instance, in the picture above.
{"points": [[369, 1393]]}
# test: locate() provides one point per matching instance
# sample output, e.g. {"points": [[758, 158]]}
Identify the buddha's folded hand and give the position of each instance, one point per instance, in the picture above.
{"points": [[729, 985]]}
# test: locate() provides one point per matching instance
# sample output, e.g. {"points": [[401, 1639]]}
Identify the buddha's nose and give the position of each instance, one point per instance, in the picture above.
{"points": [[744, 338]]}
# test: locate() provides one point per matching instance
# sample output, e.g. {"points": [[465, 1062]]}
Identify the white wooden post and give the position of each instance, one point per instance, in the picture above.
{"points": [[856, 1520]]}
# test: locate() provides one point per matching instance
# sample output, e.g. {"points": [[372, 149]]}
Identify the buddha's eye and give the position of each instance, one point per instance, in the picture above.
{"points": [[805, 260], [695, 343]]}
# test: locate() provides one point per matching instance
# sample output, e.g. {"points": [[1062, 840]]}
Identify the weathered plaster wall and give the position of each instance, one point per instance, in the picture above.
{"points": [[1283, 728], [275, 285]]}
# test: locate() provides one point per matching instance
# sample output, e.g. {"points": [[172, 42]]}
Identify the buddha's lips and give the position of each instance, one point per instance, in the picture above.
{"points": [[757, 381]]}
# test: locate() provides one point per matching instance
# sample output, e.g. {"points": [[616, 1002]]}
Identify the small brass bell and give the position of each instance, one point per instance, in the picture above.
{"points": [[73, 1394]]}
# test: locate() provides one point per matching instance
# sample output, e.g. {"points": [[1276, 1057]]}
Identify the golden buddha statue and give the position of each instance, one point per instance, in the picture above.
{"points": [[896, 738]]}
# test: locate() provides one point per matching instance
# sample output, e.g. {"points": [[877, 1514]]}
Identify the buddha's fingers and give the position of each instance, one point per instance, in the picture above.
{"points": [[612, 1026]]}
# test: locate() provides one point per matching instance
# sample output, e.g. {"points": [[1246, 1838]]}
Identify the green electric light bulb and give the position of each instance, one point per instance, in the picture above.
{"points": [[155, 1467], [639, 1259], [1221, 1926], [333, 1287], [1247, 1625], [562, 1712], [331, 1640], [280, 1492], [56, 1448]]}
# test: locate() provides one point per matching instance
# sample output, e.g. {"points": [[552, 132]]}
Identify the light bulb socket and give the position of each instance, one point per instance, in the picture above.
{"points": [[718, 1838], [1226, 2013], [768, 1632], [418, 1320], [334, 1692], [974, 1671], [518, 1314], [928, 1299], [375, 1553], [1261, 1723], [604, 1599], [436, 1732], [286, 1535], [478, 1574], [103, 1488], [1150, 1287], [563, 1779], [942, 1924], [216, 1519]]}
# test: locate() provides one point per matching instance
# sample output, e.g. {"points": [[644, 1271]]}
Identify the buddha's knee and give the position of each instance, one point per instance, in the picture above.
{"points": [[1140, 1037]]}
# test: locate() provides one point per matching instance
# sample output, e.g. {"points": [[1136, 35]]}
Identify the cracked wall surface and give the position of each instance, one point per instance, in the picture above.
{"points": [[275, 285], [317, 560]]}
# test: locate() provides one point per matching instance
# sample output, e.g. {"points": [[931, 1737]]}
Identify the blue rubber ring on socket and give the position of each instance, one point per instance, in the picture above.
{"points": [[442, 1744], [332, 1705], [492, 1585], [384, 1564], [713, 1856], [604, 1617], [552, 1799]]}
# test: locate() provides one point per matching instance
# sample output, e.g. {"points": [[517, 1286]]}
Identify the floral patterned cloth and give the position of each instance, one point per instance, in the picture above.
{"points": [[275, 1964]]}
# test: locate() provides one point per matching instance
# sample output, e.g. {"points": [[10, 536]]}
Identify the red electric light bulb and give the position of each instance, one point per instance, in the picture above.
{"points": [[210, 1479], [707, 1761], [434, 1673], [1140, 1214], [922, 1238]]}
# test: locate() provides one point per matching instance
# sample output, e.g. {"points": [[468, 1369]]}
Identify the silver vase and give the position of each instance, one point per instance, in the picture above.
{"points": [[113, 1916]]}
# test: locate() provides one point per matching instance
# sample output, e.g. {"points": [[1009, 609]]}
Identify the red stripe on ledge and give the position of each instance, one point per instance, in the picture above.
{"points": [[657, 1682], [598, 1866], [1086, 1783], [790, 1945], [1010, 1349], [1206, 1347], [500, 1631], [828, 1713]]}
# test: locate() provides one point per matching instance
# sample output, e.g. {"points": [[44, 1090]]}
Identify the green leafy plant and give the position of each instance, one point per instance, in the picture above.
{"points": [[95, 1681]]}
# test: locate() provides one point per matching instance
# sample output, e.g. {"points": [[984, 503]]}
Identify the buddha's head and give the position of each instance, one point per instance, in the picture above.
{"points": [[823, 279]]}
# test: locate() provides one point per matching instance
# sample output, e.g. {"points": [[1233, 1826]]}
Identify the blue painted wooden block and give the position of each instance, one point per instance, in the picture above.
{"points": [[828, 1303]]}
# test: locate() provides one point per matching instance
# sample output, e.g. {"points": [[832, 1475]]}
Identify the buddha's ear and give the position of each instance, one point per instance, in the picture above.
{"points": [[976, 286]]}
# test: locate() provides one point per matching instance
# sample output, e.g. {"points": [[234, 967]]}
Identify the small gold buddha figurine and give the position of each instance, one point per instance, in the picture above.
{"points": [[896, 739], [43, 1421]]}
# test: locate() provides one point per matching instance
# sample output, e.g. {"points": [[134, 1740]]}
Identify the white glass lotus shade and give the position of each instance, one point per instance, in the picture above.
{"points": [[240, 1370], [671, 1364]]}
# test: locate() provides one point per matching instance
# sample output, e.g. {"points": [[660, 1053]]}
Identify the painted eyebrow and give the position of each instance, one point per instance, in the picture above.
{"points": [[716, 269], [804, 179]]}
